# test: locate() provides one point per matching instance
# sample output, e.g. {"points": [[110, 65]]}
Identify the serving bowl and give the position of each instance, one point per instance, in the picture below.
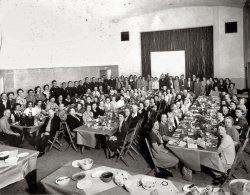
{"points": [[106, 177], [86, 163], [78, 176], [148, 183], [120, 178], [4, 155]]}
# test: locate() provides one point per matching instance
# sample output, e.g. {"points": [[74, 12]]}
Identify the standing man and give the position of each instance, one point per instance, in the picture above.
{"points": [[54, 90], [183, 83]]}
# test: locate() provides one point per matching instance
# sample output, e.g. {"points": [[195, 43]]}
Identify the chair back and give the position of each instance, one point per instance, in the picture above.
{"points": [[133, 133], [237, 159], [247, 134], [151, 153]]}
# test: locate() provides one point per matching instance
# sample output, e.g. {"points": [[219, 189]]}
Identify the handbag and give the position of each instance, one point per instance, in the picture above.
{"points": [[187, 174]]}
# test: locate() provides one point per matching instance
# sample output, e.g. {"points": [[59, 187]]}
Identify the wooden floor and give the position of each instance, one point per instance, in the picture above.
{"points": [[55, 159]]}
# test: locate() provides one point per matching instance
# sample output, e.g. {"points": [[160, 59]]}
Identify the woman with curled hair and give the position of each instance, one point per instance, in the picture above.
{"points": [[164, 158]]}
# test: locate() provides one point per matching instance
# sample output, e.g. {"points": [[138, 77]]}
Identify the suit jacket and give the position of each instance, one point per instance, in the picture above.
{"points": [[191, 87], [120, 133], [2, 107], [55, 92], [183, 84], [73, 122], [54, 125], [162, 82], [197, 88]]}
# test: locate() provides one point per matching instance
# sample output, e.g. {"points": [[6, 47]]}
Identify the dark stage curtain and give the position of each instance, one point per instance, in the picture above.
{"points": [[197, 43]]}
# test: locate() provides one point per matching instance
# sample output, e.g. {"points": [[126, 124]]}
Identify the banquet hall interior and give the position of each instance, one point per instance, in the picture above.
{"points": [[125, 97]]}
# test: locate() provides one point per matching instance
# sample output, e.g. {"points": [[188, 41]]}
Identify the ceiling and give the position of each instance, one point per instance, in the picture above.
{"points": [[117, 8]]}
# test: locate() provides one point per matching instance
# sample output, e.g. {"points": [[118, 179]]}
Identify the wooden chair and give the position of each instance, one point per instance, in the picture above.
{"points": [[155, 168], [121, 150], [64, 129], [3, 141], [126, 143], [236, 162], [130, 146]]}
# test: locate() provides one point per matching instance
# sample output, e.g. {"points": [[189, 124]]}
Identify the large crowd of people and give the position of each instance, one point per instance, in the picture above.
{"points": [[161, 103]]}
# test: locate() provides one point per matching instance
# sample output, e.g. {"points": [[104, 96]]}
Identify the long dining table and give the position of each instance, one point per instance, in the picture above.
{"points": [[97, 186], [25, 167], [193, 141], [86, 134]]}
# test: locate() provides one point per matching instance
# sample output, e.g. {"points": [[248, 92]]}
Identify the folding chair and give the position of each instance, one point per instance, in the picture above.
{"points": [[155, 168], [122, 151], [64, 128], [71, 141], [236, 162], [129, 146], [2, 141], [56, 140]]}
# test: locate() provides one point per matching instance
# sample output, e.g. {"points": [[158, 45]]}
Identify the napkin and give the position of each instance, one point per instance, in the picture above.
{"points": [[12, 153], [201, 142]]}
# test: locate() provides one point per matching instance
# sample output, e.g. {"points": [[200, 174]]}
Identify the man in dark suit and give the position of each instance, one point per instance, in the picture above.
{"points": [[86, 84], [63, 90], [80, 88], [112, 82], [47, 131], [54, 90], [162, 81], [183, 83], [11, 100]]}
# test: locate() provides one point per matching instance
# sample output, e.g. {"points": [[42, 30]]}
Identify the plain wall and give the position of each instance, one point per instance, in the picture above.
{"points": [[30, 78], [44, 37]]}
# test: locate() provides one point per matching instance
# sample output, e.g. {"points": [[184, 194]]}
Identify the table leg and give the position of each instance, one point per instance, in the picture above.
{"points": [[31, 180], [82, 149]]}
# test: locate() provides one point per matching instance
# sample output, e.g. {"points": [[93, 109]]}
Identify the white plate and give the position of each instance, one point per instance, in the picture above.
{"points": [[84, 184], [4, 154], [21, 155], [97, 174], [63, 180], [11, 159], [75, 163], [186, 189]]}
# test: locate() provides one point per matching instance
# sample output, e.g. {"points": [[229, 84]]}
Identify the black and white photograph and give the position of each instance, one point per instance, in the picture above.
{"points": [[125, 97]]}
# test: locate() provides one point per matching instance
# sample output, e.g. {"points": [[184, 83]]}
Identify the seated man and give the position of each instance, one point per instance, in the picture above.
{"points": [[47, 131], [14, 136]]}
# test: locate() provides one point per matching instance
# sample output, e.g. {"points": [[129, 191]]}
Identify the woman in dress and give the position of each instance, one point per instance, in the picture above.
{"points": [[226, 150], [117, 139], [87, 115], [29, 108], [177, 84], [79, 110], [232, 90], [164, 158], [150, 83], [46, 91], [113, 104], [52, 105], [38, 94], [20, 99]]}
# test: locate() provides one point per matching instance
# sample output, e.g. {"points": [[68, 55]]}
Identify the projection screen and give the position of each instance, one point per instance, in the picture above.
{"points": [[172, 62]]}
